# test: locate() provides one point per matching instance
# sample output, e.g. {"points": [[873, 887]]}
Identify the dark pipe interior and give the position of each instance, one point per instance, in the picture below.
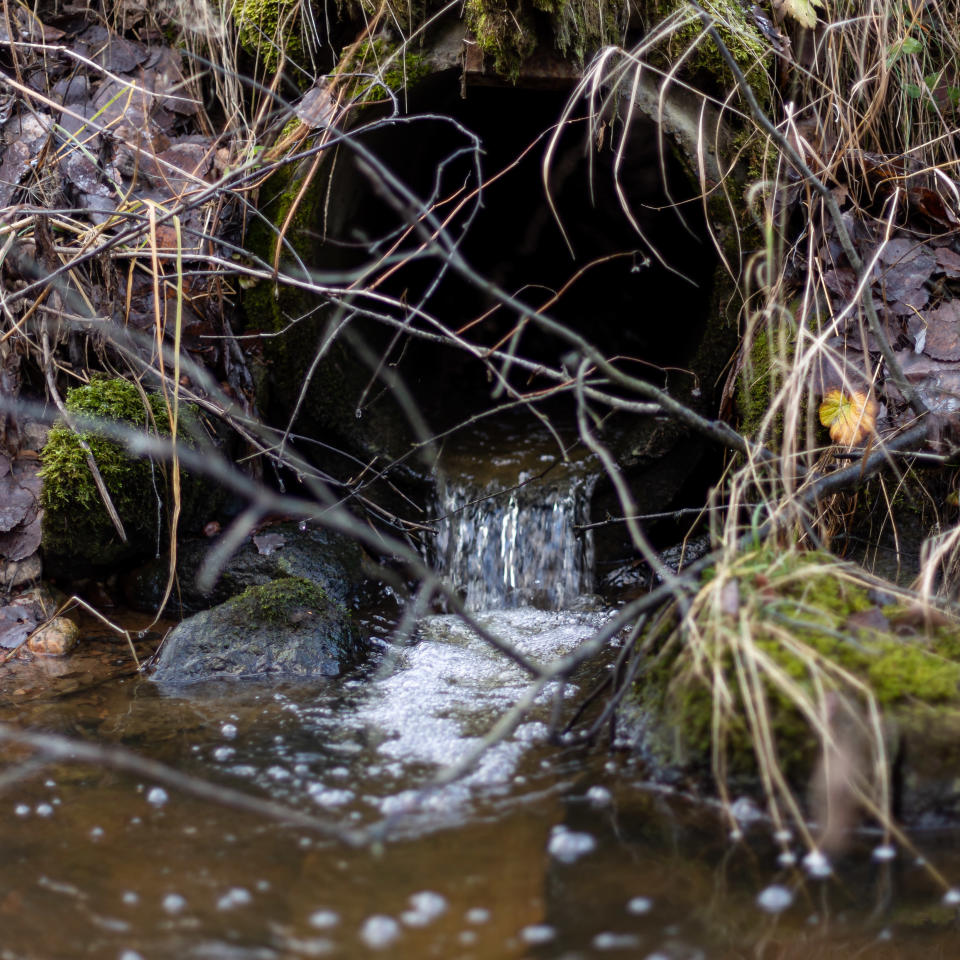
{"points": [[629, 305]]}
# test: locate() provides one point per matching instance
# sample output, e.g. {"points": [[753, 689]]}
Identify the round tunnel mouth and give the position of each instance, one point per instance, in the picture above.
{"points": [[563, 244]]}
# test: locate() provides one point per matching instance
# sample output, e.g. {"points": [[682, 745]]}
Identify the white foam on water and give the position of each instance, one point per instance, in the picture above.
{"points": [[451, 685]]}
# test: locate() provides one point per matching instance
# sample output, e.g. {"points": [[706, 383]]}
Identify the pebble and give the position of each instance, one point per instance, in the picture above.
{"points": [[599, 796], [235, 897], [323, 919], [427, 907], [817, 865], [173, 903], [537, 933], [639, 906], [157, 796], [615, 941]]}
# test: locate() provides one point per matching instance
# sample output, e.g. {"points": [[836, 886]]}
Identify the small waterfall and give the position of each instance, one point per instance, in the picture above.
{"points": [[517, 548]]}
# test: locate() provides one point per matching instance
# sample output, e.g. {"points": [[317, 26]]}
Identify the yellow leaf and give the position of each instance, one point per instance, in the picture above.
{"points": [[850, 417], [801, 10]]}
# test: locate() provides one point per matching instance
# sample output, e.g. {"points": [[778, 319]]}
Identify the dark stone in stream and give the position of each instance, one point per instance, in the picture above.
{"points": [[285, 628], [336, 563]]}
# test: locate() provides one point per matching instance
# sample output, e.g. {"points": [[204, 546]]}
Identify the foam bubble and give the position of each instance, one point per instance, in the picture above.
{"points": [[775, 898], [379, 932]]}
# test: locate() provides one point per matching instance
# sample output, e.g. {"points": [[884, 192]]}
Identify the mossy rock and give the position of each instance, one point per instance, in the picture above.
{"points": [[286, 628], [750, 49], [381, 63], [815, 632], [508, 33], [766, 366], [78, 535]]}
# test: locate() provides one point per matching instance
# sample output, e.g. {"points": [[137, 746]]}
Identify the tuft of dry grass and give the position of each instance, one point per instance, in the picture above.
{"points": [[860, 126]]}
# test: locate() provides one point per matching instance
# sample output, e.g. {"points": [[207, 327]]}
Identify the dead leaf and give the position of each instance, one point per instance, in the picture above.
{"points": [[842, 281], [112, 52], [801, 10], [317, 109], [268, 543], [919, 617], [872, 619], [16, 623], [942, 341], [907, 268], [949, 261], [23, 540], [932, 205], [850, 416], [16, 162], [15, 503]]}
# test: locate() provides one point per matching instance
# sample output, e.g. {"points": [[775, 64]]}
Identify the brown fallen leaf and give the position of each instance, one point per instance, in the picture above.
{"points": [[919, 617], [850, 417], [268, 543]]}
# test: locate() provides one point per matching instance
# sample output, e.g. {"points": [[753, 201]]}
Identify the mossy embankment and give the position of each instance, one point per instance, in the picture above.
{"points": [[774, 643]]}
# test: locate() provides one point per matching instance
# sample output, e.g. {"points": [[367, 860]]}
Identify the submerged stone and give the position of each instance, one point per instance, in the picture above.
{"points": [[285, 628]]}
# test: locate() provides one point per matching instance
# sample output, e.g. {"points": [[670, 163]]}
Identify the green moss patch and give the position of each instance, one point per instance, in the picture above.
{"points": [[509, 32], [268, 28], [280, 602], [77, 531], [750, 50], [378, 63]]}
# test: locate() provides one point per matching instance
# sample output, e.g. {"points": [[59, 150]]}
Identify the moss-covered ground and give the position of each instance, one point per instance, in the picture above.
{"points": [[791, 629], [268, 29]]}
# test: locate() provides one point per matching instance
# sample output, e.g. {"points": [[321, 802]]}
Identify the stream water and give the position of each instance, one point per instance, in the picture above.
{"points": [[538, 852]]}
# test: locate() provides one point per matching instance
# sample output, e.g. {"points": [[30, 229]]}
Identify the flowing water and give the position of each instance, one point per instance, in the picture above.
{"points": [[538, 852], [512, 516]]}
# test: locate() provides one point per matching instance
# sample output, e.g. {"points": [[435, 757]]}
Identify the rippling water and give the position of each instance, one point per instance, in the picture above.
{"points": [[540, 852]]}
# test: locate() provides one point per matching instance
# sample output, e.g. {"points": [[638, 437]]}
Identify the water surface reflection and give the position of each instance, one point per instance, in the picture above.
{"points": [[573, 856]]}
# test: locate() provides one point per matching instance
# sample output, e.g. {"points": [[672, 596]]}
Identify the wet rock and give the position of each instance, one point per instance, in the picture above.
{"points": [[56, 639], [334, 562], [284, 628]]}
